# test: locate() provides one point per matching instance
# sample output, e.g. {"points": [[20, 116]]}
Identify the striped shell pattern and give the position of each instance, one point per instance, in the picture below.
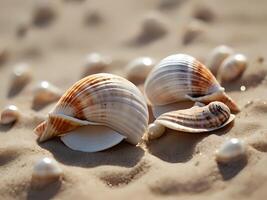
{"points": [[100, 99], [181, 77], [197, 119]]}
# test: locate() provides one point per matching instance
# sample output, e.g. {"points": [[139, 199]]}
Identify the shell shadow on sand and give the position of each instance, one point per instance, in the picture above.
{"points": [[123, 154], [175, 147], [45, 193], [231, 169]]}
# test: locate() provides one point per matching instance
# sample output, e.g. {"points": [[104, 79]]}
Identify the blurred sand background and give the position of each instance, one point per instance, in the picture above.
{"points": [[177, 165]]}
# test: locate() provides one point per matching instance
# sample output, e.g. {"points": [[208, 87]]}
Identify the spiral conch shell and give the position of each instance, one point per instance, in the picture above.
{"points": [[98, 111], [197, 119], [180, 78]]}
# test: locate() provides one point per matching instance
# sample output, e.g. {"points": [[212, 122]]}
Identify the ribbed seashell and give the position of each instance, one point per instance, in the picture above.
{"points": [[45, 93], [9, 114], [230, 150], [20, 77], [95, 63], [217, 56], [180, 78], [44, 11], [45, 171], [197, 119], [99, 100], [232, 68], [138, 69], [154, 131]]}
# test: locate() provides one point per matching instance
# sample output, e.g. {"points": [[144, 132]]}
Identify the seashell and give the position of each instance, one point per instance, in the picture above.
{"points": [[95, 63], [230, 150], [138, 69], [10, 114], [45, 171], [217, 56], [93, 17], [44, 12], [20, 77], [181, 77], [45, 93], [192, 31], [197, 119], [154, 130], [232, 68], [100, 110]]}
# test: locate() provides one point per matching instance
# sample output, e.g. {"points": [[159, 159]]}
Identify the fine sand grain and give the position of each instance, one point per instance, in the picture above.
{"points": [[175, 166]]}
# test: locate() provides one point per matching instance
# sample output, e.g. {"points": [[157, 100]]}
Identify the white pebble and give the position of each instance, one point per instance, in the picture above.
{"points": [[9, 114], [138, 69], [154, 131], [230, 150], [95, 63], [46, 170]]}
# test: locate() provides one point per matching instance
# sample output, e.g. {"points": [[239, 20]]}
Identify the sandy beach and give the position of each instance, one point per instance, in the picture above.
{"points": [[175, 166]]}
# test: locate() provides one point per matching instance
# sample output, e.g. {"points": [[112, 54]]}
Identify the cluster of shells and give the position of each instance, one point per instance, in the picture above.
{"points": [[102, 109]]}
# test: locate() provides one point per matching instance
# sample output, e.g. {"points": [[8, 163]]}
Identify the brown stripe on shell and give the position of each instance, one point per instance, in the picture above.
{"points": [[209, 117]]}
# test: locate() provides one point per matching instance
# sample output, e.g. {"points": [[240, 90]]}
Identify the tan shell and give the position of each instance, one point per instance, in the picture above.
{"points": [[45, 171], [99, 99], [138, 69], [95, 63], [197, 119], [232, 68], [20, 77], [217, 56], [231, 149], [9, 114], [45, 93], [181, 77]]}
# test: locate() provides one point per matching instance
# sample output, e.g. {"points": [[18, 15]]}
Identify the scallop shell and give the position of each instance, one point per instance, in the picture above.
{"points": [[45, 93], [197, 119], [10, 114], [232, 68], [181, 77], [95, 63], [46, 170], [100, 99], [231, 149], [138, 69], [217, 56]]}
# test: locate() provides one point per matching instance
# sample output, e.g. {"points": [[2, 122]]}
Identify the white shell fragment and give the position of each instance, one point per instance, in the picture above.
{"points": [[95, 63], [232, 68], [100, 99], [231, 149], [197, 119], [45, 171], [45, 93], [138, 69], [91, 138], [9, 115], [217, 56], [154, 130], [20, 76]]}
